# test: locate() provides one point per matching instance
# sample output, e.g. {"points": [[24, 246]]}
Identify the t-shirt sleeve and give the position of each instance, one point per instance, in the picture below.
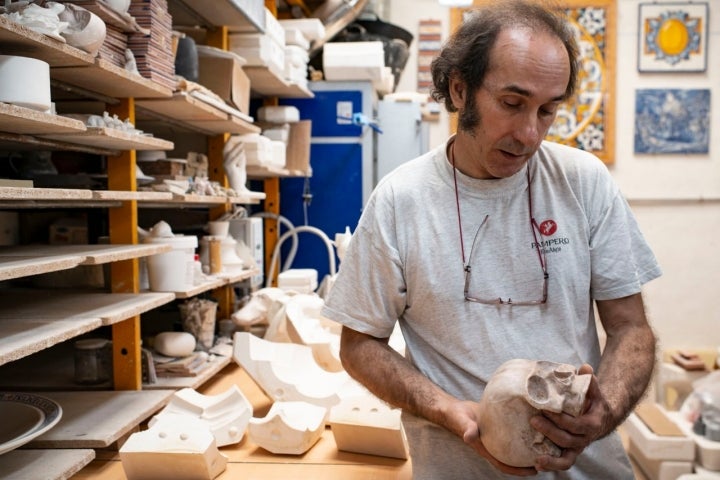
{"points": [[369, 292], [621, 259]]}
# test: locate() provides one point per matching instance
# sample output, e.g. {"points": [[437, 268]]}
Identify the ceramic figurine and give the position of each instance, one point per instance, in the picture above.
{"points": [[518, 390], [84, 30]]}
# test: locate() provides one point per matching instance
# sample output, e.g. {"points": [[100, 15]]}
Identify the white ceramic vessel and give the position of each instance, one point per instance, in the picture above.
{"points": [[25, 82]]}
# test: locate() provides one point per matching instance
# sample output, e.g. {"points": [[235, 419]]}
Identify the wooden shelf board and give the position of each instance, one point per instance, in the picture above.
{"points": [[25, 336], [26, 260], [119, 195], [16, 119], [212, 14], [189, 198], [234, 275], [109, 308], [194, 113], [212, 368], [210, 284], [98, 419], [13, 266], [19, 40], [112, 138], [264, 81], [56, 464], [258, 172], [18, 141], [110, 80]]}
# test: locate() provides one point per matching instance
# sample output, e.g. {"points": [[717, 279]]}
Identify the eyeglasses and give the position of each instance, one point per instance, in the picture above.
{"points": [[466, 265]]}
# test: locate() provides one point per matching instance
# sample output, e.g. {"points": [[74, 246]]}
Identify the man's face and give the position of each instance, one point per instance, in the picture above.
{"points": [[510, 114]]}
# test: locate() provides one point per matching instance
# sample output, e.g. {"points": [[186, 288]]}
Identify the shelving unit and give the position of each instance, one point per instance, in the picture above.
{"points": [[35, 337]]}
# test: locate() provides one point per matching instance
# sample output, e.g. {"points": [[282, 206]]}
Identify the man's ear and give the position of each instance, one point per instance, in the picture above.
{"points": [[458, 91]]}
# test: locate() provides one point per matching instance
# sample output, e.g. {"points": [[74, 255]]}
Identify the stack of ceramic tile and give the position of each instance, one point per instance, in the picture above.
{"points": [[113, 49], [188, 366], [153, 53]]}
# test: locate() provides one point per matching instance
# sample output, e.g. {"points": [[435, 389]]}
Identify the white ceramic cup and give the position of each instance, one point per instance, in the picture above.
{"points": [[218, 228]]}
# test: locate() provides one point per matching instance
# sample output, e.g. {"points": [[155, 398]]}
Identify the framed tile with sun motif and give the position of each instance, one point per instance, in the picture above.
{"points": [[673, 37]]}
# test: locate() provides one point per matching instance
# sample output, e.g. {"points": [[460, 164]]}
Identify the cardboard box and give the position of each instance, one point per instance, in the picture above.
{"points": [[225, 77], [297, 155]]}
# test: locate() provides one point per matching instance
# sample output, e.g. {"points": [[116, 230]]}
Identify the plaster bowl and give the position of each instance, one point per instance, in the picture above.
{"points": [[120, 6], [25, 82], [85, 31]]}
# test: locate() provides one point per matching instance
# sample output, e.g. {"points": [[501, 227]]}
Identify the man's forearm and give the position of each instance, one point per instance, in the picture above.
{"points": [[389, 376], [627, 364]]}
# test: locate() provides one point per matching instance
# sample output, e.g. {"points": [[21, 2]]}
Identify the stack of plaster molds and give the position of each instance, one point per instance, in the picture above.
{"points": [[707, 452], [289, 428], [289, 372], [306, 326], [368, 425], [174, 448], [227, 414], [657, 444]]}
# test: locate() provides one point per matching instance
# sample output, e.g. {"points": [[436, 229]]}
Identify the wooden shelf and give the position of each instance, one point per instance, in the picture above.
{"points": [[213, 368], [191, 200], [105, 78], [113, 139], [98, 419], [217, 281], [256, 172], [57, 464], [19, 40], [266, 82], [28, 326], [231, 13], [26, 260], [15, 119], [193, 113]]}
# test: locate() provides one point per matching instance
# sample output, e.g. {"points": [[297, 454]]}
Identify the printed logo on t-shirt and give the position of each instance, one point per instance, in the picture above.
{"points": [[548, 227]]}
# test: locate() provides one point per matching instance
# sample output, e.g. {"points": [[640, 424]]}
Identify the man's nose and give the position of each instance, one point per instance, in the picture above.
{"points": [[529, 130]]}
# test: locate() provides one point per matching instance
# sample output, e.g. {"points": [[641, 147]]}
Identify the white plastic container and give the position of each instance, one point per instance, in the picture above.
{"points": [[172, 271]]}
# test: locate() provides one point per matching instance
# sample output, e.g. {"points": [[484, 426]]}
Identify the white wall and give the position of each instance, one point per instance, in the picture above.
{"points": [[676, 198]]}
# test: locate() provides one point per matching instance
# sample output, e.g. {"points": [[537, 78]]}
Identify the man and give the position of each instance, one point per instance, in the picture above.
{"points": [[494, 247]]}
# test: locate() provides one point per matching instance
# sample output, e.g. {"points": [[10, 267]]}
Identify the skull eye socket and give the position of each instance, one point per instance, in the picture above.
{"points": [[537, 389]]}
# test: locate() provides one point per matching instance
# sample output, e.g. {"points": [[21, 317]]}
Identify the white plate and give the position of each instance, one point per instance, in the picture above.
{"points": [[25, 416]]}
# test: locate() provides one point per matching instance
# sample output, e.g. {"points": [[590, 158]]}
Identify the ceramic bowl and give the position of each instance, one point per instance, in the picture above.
{"points": [[120, 6], [85, 31], [25, 82]]}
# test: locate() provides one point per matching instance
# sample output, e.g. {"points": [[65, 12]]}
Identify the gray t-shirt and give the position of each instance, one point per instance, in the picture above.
{"points": [[404, 263]]}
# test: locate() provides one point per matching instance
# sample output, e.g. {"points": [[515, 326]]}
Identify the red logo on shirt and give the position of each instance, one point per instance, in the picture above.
{"points": [[548, 227]]}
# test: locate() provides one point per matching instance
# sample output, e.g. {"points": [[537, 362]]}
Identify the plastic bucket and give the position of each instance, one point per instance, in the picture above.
{"points": [[172, 271]]}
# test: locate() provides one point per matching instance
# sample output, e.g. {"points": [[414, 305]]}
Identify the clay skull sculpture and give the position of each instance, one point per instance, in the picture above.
{"points": [[518, 390]]}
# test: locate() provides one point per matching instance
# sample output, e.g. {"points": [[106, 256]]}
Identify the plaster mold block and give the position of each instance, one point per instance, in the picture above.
{"points": [[707, 451], [177, 448], [306, 326], [288, 372], [289, 428], [659, 469], [226, 414], [658, 447], [368, 425]]}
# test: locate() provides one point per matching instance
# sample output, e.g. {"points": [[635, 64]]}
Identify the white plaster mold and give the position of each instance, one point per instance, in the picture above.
{"points": [[368, 425], [306, 326], [177, 448], [289, 372], [289, 428], [226, 414]]}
